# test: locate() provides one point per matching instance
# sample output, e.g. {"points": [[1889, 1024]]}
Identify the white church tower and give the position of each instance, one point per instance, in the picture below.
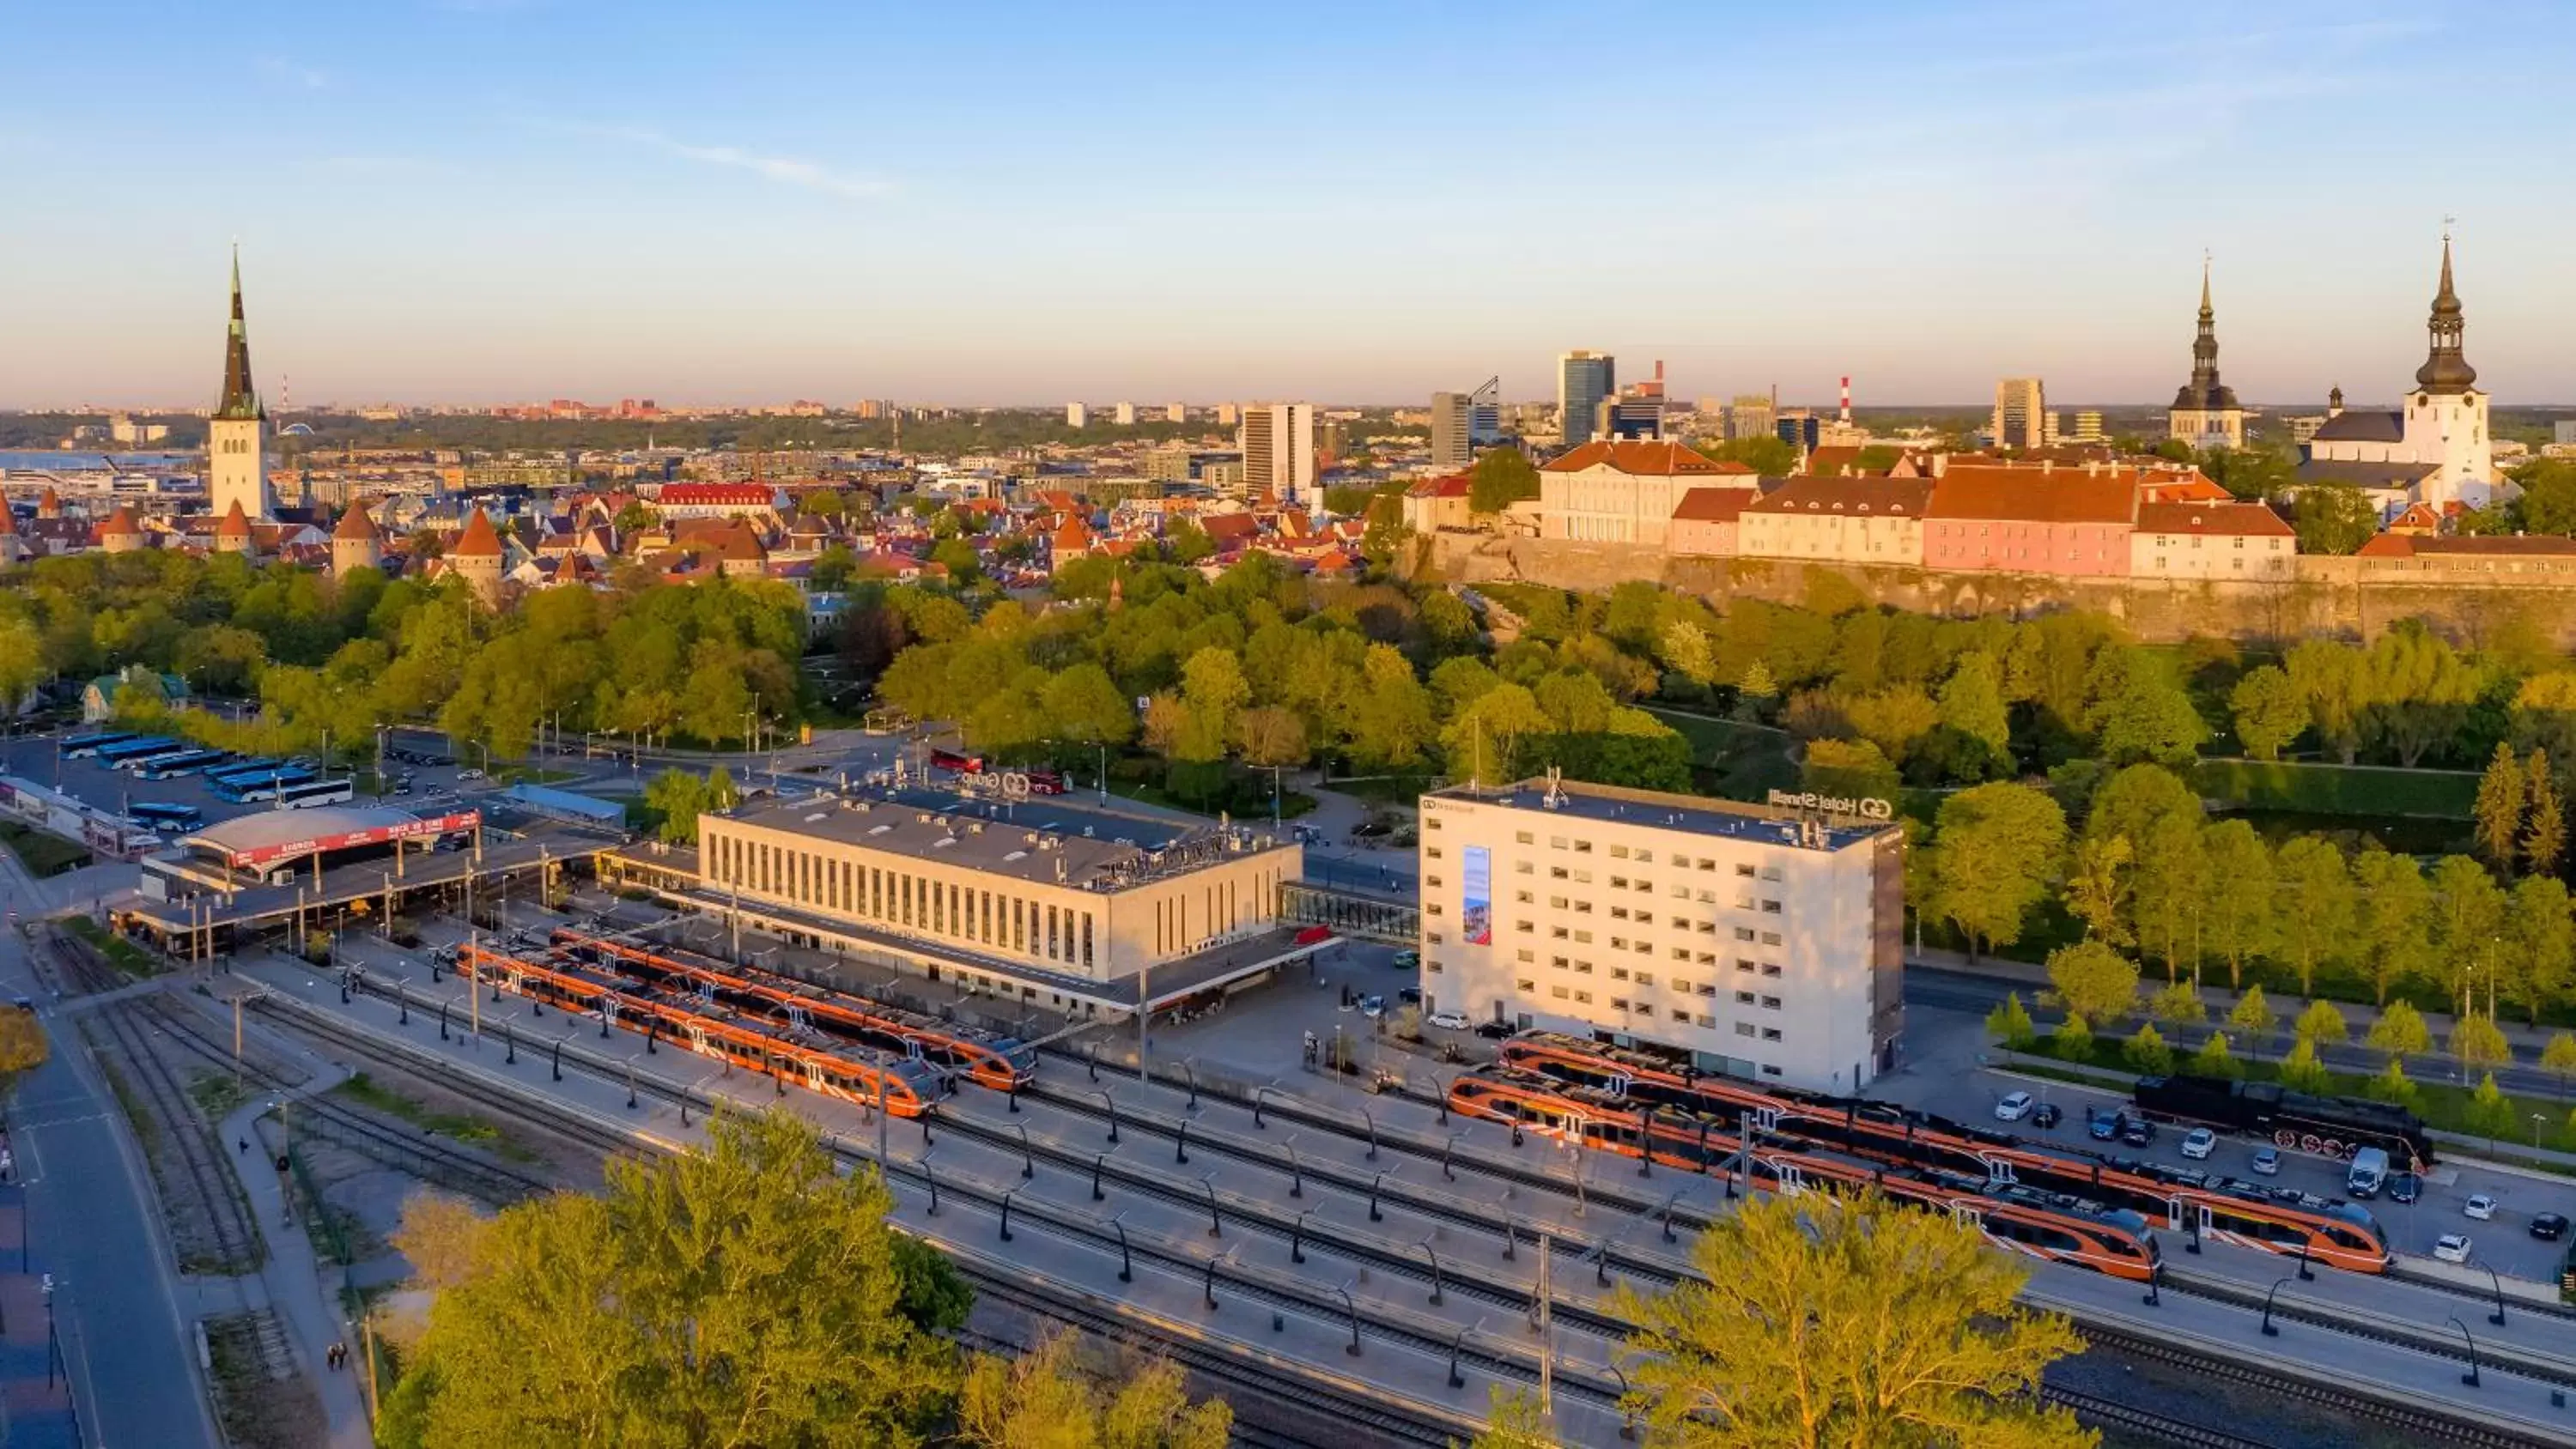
{"points": [[236, 459], [2446, 415]]}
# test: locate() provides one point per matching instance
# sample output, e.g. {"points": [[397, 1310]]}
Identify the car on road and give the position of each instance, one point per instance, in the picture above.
{"points": [[2404, 1187], [1372, 1006], [2199, 1143], [469, 774], [2267, 1160], [2102, 1123], [2453, 1248], [2479, 1206], [2046, 1115], [1410, 996], [1494, 1030], [2137, 1131], [1448, 1020], [2014, 1107], [2549, 1227], [1406, 960]]}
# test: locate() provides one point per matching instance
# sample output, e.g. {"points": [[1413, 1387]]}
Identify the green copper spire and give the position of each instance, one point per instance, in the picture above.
{"points": [[240, 399]]}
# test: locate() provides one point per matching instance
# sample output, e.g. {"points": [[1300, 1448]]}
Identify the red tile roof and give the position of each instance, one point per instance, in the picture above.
{"points": [[1713, 505], [1860, 493], [2063, 495], [2213, 519], [1657, 460], [478, 540], [2400, 545], [1456, 485]]}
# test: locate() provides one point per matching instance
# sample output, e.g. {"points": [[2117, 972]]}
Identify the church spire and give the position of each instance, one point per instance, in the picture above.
{"points": [[240, 399], [2205, 391], [2445, 369]]}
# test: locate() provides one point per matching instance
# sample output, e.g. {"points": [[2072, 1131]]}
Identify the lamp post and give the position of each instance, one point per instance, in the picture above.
{"points": [[1434, 1255], [2471, 1377], [2497, 1317], [2268, 1330], [1354, 1349]]}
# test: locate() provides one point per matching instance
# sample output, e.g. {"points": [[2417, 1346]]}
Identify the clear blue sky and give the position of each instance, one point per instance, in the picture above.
{"points": [[477, 200]]}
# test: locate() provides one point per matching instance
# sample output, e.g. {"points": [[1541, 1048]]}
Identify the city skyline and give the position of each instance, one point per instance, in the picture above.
{"points": [[637, 208]]}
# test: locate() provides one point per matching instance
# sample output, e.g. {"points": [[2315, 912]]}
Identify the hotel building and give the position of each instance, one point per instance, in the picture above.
{"points": [[1748, 940]]}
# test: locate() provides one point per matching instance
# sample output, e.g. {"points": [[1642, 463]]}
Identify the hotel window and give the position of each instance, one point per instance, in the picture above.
{"points": [[1771, 1033], [1770, 908], [1523, 867], [1582, 968], [1583, 847], [1645, 857], [1432, 881], [1618, 973], [1645, 978], [1681, 1016], [1770, 938], [1556, 902], [1618, 882], [1705, 1023], [1583, 936], [1433, 852], [1618, 1003], [1583, 998], [1770, 1003], [1524, 897], [1522, 837], [1744, 998], [1744, 1028], [1618, 852]]}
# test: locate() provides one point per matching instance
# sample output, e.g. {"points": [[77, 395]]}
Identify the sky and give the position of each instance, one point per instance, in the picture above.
{"points": [[476, 201]]}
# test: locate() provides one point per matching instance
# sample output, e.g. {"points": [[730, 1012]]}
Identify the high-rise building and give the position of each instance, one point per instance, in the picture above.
{"points": [[2088, 428], [1177, 413], [1750, 416], [236, 459], [2205, 412], [1583, 379], [1076, 415], [1800, 429], [1278, 442], [1227, 415], [2021, 413], [1124, 415], [1452, 421], [1767, 942]]}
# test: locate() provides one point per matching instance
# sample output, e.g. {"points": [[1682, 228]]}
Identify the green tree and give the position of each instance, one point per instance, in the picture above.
{"points": [[1820, 1330], [2490, 1112], [1514, 1420], [2539, 946], [1847, 769], [2000, 845], [2237, 911], [1271, 736], [2468, 919], [747, 1293], [2329, 677], [2172, 890], [2544, 835], [2097, 888], [677, 797], [2395, 905], [1771, 457], [2269, 711], [2322, 1022], [2178, 1002], [2151, 721], [2392, 1084], [2093, 981], [1044, 1399], [2214, 1059], [2400, 1032], [1500, 478], [2477, 1044], [2333, 518], [1084, 706], [2254, 1016], [2499, 808], [2073, 1041], [2146, 1052], [2301, 1071], [2559, 1056], [2010, 1024], [2315, 904], [1972, 713]]}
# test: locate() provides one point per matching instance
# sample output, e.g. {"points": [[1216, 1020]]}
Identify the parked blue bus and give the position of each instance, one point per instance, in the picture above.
{"points": [[168, 819], [186, 762], [315, 792], [262, 786], [117, 754], [245, 770], [81, 747]]}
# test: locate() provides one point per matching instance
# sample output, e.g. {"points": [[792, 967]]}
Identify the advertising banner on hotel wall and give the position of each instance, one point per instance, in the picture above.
{"points": [[1479, 912]]}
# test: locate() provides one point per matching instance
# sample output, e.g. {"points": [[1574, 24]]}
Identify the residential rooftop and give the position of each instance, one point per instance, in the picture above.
{"points": [[1691, 814], [1043, 841]]}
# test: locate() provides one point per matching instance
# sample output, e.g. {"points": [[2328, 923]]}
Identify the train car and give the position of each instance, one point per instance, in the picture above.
{"points": [[904, 1087], [2329, 1126], [2329, 1231], [999, 1062], [2056, 1227]]}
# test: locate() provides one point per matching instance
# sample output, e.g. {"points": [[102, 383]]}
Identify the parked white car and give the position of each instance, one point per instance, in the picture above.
{"points": [[2014, 1107], [1448, 1020], [2199, 1143], [2453, 1248]]}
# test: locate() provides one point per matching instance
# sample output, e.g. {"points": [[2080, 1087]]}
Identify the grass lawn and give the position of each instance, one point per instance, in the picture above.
{"points": [[121, 953], [42, 854], [532, 775], [2327, 789], [1736, 761], [367, 1092], [1244, 806]]}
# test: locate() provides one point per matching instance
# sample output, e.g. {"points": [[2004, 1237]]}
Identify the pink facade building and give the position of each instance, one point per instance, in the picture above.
{"points": [[2061, 522]]}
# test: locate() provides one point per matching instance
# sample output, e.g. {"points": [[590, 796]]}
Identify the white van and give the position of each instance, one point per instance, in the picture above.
{"points": [[2368, 1171]]}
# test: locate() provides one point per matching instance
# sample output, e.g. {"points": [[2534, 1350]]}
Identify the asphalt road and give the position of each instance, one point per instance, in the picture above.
{"points": [[92, 1225]]}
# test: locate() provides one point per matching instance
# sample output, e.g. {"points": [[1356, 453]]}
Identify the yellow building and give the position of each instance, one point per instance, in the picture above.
{"points": [[1058, 904]]}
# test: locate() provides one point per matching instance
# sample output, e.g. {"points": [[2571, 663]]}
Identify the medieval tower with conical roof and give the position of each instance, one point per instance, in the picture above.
{"points": [[236, 453], [477, 557], [2205, 412], [356, 543]]}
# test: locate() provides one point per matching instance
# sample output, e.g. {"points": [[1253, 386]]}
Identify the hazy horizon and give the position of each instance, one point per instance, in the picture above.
{"points": [[480, 201]]}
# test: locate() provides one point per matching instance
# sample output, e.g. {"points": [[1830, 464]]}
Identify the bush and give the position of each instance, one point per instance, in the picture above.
{"points": [[2325, 789], [2010, 1024], [2147, 1053]]}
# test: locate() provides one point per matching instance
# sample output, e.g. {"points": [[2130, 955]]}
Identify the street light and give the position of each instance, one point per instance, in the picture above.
{"points": [[2471, 1377], [2268, 1330]]}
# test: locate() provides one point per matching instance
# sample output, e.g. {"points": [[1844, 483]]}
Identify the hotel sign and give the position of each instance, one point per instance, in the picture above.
{"points": [[1867, 807]]}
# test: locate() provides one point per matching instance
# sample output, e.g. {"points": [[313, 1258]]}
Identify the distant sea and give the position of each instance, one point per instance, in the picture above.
{"points": [[54, 462]]}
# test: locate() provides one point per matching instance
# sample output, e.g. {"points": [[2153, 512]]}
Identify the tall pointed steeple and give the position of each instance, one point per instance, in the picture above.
{"points": [[2446, 369], [240, 399], [2205, 391]]}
